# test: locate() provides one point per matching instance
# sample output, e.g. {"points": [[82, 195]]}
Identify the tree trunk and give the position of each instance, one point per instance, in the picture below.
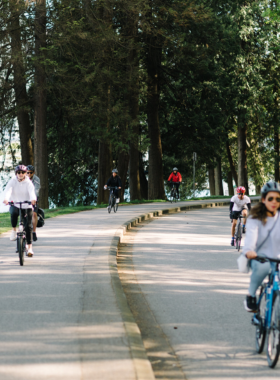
{"points": [[104, 171], [40, 107], [155, 182], [276, 151], [123, 161], [230, 185], [258, 189], [20, 87], [231, 164], [242, 156], [218, 178], [211, 176]]}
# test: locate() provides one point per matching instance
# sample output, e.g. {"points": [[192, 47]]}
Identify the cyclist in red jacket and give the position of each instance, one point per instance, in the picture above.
{"points": [[175, 178]]}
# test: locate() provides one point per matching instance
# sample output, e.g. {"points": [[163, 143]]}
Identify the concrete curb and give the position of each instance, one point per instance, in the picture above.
{"points": [[142, 365]]}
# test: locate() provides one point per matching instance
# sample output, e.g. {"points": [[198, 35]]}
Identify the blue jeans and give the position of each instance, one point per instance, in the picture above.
{"points": [[259, 273]]}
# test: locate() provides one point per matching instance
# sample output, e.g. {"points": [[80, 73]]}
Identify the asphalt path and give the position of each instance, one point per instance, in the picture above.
{"points": [[187, 272], [59, 318]]}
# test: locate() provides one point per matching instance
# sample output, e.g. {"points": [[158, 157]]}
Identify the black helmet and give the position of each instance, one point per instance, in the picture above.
{"points": [[31, 168], [22, 168], [115, 171], [270, 186]]}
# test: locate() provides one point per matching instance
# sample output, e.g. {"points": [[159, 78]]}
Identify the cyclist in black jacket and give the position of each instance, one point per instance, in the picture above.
{"points": [[115, 181]]}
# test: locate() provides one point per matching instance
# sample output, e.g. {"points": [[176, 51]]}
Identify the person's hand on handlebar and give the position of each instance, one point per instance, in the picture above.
{"points": [[119, 187], [105, 187], [251, 255], [6, 202], [33, 202]]}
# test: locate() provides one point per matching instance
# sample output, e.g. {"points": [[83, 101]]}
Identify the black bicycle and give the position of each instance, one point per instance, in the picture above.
{"points": [[174, 196], [21, 234], [112, 199], [267, 317], [238, 232]]}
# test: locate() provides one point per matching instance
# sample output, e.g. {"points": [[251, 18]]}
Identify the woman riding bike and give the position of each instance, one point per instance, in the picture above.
{"points": [[262, 238], [176, 179], [239, 204], [20, 189], [115, 181]]}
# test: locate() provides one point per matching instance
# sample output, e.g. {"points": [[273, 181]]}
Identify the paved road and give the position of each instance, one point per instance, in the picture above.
{"points": [[59, 318], [188, 274]]}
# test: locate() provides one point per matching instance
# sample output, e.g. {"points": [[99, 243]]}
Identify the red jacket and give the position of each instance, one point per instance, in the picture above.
{"points": [[175, 178]]}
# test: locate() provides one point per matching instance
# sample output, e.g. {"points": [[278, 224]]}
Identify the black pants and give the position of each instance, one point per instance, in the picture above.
{"points": [[176, 185], [116, 193], [26, 214]]}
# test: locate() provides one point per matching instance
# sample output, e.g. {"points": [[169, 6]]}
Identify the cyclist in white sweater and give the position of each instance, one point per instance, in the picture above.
{"points": [[262, 238], [20, 189]]}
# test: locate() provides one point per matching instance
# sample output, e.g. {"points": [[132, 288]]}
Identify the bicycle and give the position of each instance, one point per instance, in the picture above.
{"points": [[238, 233], [112, 199], [21, 235], [267, 317], [173, 193]]}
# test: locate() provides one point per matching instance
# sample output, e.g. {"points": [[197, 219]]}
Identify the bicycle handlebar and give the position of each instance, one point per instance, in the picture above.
{"points": [[18, 203], [265, 259], [112, 187]]}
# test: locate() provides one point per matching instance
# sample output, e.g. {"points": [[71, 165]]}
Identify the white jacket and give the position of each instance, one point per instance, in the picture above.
{"points": [[20, 191]]}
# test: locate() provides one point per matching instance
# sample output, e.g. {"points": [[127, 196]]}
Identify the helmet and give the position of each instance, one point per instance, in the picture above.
{"points": [[241, 189], [21, 167], [175, 169], [270, 186], [115, 171], [31, 168]]}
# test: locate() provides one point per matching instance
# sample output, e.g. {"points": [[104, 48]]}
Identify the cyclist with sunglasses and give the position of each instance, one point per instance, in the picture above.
{"points": [[36, 182], [20, 189], [262, 239], [239, 203]]}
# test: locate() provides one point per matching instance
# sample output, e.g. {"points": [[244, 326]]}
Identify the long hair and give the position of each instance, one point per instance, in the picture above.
{"points": [[259, 212]]}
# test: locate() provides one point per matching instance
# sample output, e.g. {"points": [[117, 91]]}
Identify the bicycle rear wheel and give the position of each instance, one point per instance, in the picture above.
{"points": [[273, 333], [260, 316], [21, 249], [116, 205]]}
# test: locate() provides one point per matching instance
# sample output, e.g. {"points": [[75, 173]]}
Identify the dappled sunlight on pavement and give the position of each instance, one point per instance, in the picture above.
{"points": [[188, 274]]}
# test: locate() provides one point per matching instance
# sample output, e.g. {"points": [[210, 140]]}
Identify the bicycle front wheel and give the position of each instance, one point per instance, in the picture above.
{"points": [[260, 328], [116, 205], [110, 205], [273, 334], [21, 249], [238, 237]]}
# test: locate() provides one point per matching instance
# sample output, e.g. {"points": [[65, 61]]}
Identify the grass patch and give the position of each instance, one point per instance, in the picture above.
{"points": [[5, 221]]}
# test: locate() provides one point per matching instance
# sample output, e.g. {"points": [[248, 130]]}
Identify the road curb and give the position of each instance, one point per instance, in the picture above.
{"points": [[142, 365]]}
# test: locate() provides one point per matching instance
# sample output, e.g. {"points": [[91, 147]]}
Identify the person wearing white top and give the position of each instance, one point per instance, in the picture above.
{"points": [[262, 239], [20, 189], [239, 203]]}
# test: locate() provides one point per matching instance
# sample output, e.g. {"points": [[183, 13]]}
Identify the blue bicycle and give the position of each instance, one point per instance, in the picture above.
{"points": [[267, 318]]}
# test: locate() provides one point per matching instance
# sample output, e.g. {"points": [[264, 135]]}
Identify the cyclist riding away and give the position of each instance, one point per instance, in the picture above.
{"points": [[175, 178], [36, 182], [115, 181], [239, 204], [262, 239], [20, 189]]}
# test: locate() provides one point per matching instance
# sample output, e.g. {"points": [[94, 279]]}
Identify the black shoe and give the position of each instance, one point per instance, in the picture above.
{"points": [[232, 242], [34, 236], [243, 229], [250, 304]]}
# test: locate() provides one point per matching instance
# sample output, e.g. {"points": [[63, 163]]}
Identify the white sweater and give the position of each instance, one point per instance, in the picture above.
{"points": [[20, 191], [256, 233]]}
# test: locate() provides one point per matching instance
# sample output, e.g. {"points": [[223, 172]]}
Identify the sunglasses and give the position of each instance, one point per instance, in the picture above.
{"points": [[270, 199], [30, 172], [240, 194], [20, 172]]}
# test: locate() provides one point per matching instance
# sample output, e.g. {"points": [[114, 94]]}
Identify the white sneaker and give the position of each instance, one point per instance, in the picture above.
{"points": [[118, 200], [13, 235], [30, 253]]}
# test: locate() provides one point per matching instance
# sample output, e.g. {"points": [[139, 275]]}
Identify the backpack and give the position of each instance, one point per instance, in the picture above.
{"points": [[41, 218]]}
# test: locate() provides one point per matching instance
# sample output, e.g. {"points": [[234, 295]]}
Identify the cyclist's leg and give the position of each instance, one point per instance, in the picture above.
{"points": [[28, 227], [177, 188], [116, 193], [259, 273], [14, 212]]}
